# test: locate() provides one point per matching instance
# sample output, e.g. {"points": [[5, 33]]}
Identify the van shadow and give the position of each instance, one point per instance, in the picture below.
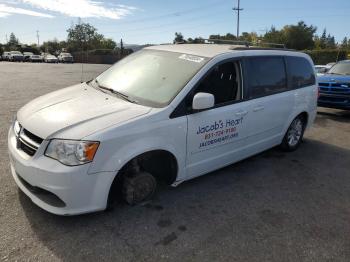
{"points": [[301, 185]]}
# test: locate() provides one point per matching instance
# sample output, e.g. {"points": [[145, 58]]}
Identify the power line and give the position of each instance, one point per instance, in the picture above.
{"points": [[238, 9], [170, 15]]}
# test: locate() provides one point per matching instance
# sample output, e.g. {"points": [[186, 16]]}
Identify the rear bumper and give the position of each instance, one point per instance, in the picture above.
{"points": [[331, 100]]}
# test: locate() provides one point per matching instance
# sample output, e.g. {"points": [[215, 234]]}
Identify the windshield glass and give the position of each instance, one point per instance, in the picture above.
{"points": [[16, 52], [152, 77], [341, 68], [66, 54]]}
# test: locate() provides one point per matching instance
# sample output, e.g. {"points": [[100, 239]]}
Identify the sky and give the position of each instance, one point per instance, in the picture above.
{"points": [[156, 21]]}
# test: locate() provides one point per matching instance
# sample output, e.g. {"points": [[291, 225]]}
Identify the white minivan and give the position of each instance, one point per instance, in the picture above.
{"points": [[167, 113]]}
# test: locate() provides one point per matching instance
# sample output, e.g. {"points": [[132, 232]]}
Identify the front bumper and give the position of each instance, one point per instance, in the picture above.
{"points": [[68, 60], [333, 100], [57, 188], [38, 60], [17, 58]]}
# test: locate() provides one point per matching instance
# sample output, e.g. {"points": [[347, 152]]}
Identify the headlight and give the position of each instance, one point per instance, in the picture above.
{"points": [[71, 153], [17, 127]]}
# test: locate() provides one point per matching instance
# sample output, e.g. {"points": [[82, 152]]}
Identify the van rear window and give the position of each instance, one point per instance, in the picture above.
{"points": [[301, 73]]}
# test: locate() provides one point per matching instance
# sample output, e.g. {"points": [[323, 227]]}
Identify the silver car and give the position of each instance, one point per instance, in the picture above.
{"points": [[51, 59], [65, 58], [35, 58], [5, 56]]}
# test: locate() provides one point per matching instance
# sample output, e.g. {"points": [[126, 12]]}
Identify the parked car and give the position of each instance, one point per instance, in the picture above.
{"points": [[165, 113], [26, 56], [335, 86], [6, 56], [50, 59], [35, 58], [65, 58], [16, 56], [321, 69]]}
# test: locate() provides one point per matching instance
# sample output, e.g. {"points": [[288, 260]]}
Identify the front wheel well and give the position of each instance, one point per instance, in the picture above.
{"points": [[160, 163]]}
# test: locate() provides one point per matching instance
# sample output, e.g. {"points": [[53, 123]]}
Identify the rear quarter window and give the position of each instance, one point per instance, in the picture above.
{"points": [[265, 76], [300, 72]]}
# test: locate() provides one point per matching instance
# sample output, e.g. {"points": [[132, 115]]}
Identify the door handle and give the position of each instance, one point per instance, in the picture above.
{"points": [[242, 113], [258, 108]]}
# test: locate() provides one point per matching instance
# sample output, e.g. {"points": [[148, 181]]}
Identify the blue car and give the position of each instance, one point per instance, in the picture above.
{"points": [[335, 86]]}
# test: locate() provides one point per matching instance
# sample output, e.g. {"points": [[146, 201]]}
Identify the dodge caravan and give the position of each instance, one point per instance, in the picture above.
{"points": [[164, 114]]}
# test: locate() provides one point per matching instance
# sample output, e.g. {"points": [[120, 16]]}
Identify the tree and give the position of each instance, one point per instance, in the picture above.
{"points": [[13, 41], [179, 38], [84, 36], [249, 37], [121, 47], [107, 43], [320, 42], [330, 42], [197, 40], [228, 36], [345, 43], [50, 46], [274, 36], [299, 36]]}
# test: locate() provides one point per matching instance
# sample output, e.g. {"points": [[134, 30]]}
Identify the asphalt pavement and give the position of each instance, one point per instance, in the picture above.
{"points": [[275, 206]]}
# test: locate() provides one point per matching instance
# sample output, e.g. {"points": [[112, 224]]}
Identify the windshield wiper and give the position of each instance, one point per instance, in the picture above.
{"points": [[119, 94]]}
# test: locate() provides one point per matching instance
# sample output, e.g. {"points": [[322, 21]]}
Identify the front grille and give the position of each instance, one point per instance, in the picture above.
{"points": [[28, 142], [339, 88]]}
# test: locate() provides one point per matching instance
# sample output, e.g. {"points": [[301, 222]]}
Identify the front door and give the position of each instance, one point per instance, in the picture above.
{"points": [[215, 136]]}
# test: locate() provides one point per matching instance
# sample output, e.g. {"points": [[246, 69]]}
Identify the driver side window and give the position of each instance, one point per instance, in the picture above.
{"points": [[224, 82]]}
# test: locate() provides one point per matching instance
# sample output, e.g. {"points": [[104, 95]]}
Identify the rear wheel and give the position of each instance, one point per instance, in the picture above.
{"points": [[294, 134], [139, 188]]}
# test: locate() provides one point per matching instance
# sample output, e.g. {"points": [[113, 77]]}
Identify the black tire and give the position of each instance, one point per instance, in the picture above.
{"points": [[138, 188], [294, 135]]}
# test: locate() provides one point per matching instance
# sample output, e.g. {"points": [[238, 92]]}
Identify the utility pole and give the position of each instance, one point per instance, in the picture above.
{"points": [[238, 9], [37, 35]]}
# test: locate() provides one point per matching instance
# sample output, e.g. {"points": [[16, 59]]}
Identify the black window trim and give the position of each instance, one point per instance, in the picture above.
{"points": [[181, 109], [249, 91]]}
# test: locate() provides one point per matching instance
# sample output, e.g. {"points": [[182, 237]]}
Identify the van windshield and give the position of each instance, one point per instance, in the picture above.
{"points": [[151, 77], [341, 68]]}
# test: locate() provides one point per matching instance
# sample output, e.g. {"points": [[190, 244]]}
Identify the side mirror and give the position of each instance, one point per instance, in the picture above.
{"points": [[203, 101]]}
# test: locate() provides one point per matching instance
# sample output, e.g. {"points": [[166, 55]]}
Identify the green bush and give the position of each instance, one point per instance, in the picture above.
{"points": [[322, 57]]}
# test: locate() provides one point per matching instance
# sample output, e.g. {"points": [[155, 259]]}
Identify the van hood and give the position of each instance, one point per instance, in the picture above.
{"points": [[76, 112]]}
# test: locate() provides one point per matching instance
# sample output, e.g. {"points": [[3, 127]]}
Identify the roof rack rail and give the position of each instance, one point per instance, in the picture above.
{"points": [[246, 44]]}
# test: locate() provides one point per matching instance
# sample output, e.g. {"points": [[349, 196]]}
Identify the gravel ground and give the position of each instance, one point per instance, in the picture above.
{"points": [[275, 206]]}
